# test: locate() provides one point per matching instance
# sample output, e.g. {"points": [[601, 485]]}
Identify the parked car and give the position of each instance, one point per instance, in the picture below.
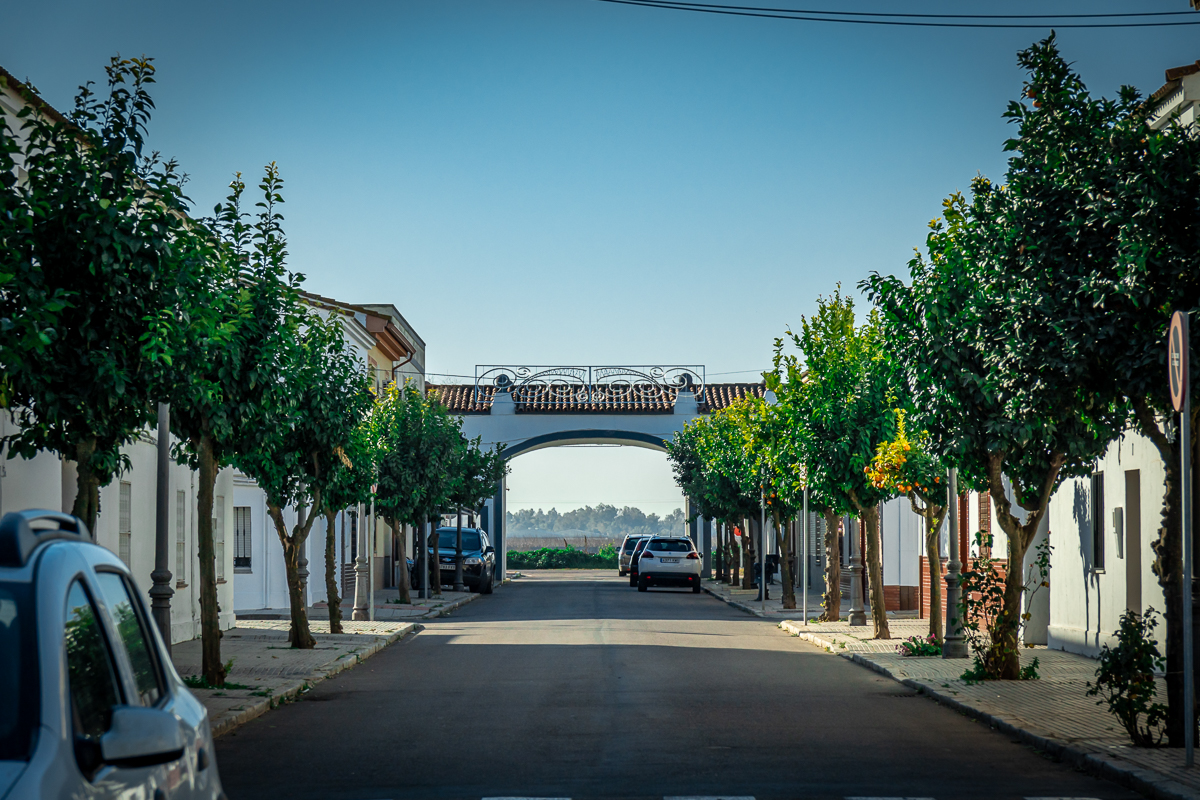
{"points": [[626, 553], [633, 560], [479, 560], [90, 704], [669, 561]]}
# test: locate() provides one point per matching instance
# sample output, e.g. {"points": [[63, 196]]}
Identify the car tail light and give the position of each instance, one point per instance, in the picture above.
{"points": [[647, 555], [693, 555]]}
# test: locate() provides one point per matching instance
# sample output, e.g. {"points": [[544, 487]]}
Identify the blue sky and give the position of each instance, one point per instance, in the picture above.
{"points": [[568, 181]]}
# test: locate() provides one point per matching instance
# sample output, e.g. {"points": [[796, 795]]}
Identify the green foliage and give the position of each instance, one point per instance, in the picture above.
{"points": [[839, 403], [711, 465], [244, 318], [311, 417], [1001, 337], [604, 520], [563, 558], [985, 616], [95, 254], [415, 441], [919, 646], [1125, 679]]}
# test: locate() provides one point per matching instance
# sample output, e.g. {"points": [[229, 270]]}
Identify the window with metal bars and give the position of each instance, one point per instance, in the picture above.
{"points": [[125, 527], [241, 538], [181, 554], [218, 528]]}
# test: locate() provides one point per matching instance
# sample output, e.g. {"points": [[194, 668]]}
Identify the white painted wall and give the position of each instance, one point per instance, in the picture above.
{"points": [[47, 481], [1087, 602]]}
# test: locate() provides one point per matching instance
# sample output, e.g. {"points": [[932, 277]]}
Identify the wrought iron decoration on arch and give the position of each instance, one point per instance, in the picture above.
{"points": [[611, 385]]}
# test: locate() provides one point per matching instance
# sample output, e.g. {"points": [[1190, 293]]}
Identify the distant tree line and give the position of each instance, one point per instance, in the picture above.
{"points": [[604, 520]]}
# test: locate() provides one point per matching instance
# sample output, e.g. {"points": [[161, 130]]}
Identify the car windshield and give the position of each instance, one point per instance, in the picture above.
{"points": [[670, 546], [18, 671], [446, 539]]}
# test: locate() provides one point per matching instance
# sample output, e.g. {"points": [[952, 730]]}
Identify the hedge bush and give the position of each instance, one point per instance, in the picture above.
{"points": [[563, 558]]}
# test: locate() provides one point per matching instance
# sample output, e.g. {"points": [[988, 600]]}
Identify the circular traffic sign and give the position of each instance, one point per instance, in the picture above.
{"points": [[1177, 358]]}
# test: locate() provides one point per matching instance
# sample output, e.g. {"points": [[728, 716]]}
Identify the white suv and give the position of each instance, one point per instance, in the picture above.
{"points": [[669, 561], [90, 704]]}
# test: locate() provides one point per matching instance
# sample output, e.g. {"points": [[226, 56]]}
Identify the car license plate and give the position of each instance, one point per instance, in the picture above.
{"points": [[670, 560]]}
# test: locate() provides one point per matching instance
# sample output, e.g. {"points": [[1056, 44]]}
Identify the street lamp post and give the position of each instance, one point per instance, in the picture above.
{"points": [[954, 645], [858, 614], [804, 555], [161, 591], [360, 568], [371, 562]]}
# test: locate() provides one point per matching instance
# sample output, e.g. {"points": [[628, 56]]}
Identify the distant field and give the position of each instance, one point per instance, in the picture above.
{"points": [[587, 544]]}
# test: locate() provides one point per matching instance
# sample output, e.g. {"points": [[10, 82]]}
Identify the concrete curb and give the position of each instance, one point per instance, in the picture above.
{"points": [[292, 690], [730, 601], [810, 636], [1092, 760], [446, 609]]}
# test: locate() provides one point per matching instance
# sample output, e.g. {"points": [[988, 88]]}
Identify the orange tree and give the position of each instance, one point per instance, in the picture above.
{"points": [[997, 335], [905, 466], [842, 402], [771, 446], [710, 464]]}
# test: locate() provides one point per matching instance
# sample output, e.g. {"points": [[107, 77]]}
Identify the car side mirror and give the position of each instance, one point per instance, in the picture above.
{"points": [[490, 549], [140, 737]]}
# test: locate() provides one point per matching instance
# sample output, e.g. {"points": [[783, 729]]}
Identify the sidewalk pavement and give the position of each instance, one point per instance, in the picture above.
{"points": [[386, 607], [1052, 714], [746, 600]]}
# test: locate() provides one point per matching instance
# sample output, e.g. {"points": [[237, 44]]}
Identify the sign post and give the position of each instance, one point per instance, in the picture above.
{"points": [[1178, 356]]}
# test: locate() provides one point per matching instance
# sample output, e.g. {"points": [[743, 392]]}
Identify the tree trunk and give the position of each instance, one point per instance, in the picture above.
{"points": [[833, 568], [458, 556], [735, 557], [1019, 536], [722, 552], [402, 582], [299, 634], [435, 564], [869, 514], [87, 485], [210, 611], [933, 515], [749, 556], [785, 565], [331, 591], [1168, 564]]}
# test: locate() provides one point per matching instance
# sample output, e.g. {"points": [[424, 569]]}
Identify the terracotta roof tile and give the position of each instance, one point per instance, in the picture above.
{"points": [[638, 399]]}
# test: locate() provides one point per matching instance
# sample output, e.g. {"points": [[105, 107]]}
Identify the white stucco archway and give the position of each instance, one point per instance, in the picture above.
{"points": [[544, 410]]}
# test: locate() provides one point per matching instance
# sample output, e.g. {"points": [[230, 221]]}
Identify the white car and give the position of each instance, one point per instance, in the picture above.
{"points": [[90, 704], [669, 561]]}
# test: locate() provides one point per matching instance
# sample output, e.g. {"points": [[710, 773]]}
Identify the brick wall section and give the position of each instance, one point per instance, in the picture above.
{"points": [[900, 598], [925, 587]]}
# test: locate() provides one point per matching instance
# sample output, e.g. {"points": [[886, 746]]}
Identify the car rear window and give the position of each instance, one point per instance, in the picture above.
{"points": [[447, 540], [19, 693], [629, 545], [670, 546]]}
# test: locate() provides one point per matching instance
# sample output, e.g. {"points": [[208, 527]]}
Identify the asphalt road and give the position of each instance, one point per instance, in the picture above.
{"points": [[574, 685]]}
